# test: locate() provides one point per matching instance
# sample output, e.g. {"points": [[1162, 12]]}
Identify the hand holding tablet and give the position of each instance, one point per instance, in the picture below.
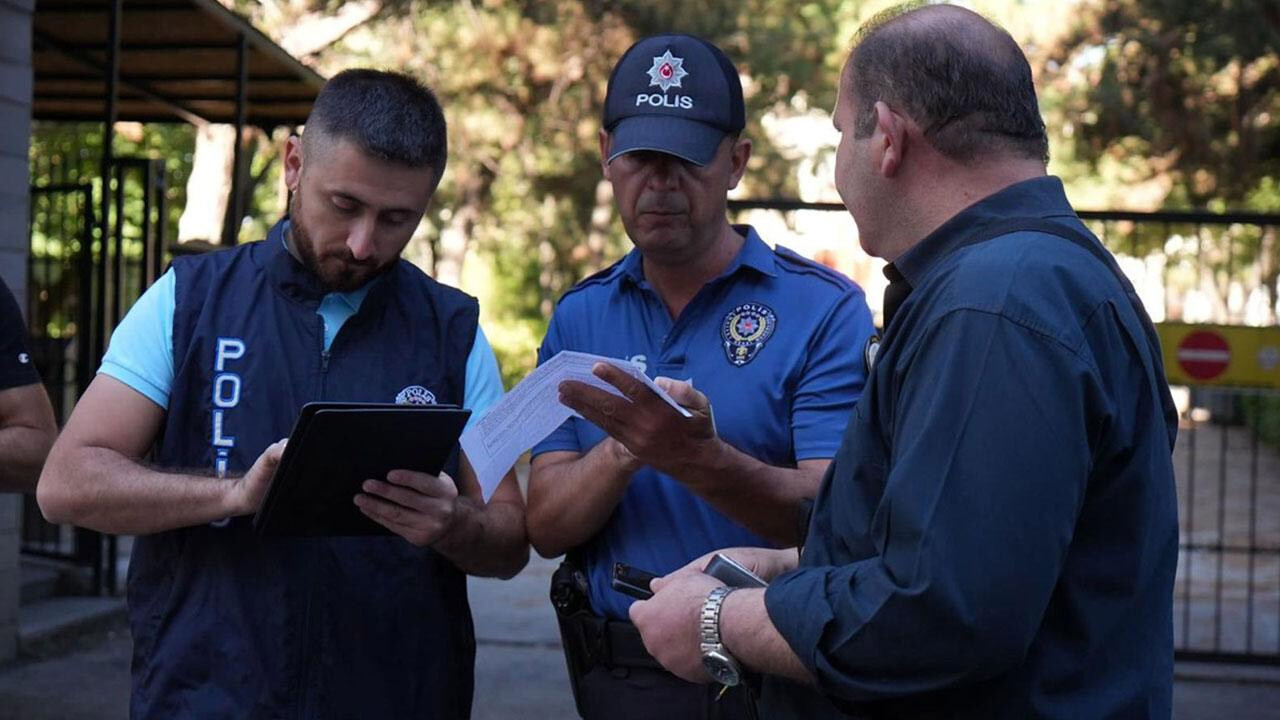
{"points": [[336, 447]]}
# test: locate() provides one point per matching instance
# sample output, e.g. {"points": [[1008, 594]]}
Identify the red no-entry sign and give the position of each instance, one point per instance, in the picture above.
{"points": [[1204, 355]]}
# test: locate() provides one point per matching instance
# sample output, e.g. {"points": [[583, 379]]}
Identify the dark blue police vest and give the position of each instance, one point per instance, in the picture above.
{"points": [[229, 625]]}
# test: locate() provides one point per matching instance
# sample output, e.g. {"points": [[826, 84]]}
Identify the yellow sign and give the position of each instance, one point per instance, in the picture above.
{"points": [[1225, 355]]}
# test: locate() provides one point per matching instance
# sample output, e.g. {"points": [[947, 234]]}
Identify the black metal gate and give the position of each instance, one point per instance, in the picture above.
{"points": [[80, 285], [1227, 596]]}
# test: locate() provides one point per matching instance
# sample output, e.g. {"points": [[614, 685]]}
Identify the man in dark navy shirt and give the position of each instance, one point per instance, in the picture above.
{"points": [[997, 535], [27, 427]]}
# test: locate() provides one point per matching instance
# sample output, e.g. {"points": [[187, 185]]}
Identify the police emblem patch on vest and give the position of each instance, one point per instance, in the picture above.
{"points": [[415, 395], [745, 330], [870, 351]]}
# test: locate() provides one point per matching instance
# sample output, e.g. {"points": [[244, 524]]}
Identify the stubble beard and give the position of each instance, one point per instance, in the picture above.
{"points": [[342, 274]]}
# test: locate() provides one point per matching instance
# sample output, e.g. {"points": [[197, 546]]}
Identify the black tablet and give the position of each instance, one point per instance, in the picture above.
{"points": [[335, 447]]}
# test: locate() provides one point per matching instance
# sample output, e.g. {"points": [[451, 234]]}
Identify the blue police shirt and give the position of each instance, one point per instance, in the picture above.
{"points": [[998, 535], [775, 342]]}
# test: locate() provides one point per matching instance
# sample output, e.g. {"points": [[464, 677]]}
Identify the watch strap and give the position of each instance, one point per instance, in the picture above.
{"points": [[709, 620]]}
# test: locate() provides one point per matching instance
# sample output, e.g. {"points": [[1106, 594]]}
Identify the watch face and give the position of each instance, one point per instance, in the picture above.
{"points": [[722, 668]]}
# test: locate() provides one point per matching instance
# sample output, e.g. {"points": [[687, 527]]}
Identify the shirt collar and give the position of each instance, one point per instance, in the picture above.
{"points": [[1039, 197], [754, 254], [354, 298], [299, 282]]}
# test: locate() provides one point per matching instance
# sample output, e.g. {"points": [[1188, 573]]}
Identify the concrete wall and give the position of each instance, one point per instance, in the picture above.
{"points": [[15, 135]]}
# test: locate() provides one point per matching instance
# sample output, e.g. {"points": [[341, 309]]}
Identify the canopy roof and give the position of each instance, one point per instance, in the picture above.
{"points": [[179, 62]]}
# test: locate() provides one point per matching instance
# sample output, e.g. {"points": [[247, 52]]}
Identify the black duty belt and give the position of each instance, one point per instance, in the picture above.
{"points": [[622, 646]]}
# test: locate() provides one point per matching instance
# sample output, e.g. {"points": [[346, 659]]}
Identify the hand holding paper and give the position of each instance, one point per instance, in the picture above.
{"points": [[640, 419], [533, 409]]}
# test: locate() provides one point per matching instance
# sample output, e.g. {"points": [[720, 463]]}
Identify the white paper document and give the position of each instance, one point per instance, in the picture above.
{"points": [[532, 410]]}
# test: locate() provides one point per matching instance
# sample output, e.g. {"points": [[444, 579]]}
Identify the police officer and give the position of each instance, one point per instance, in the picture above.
{"points": [[212, 365], [998, 534], [770, 340], [27, 427]]}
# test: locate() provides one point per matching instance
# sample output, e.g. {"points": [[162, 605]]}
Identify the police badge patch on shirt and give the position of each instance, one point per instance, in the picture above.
{"points": [[745, 330]]}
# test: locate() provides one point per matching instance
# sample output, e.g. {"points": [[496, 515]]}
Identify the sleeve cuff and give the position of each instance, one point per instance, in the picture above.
{"points": [[149, 390], [826, 451], [547, 446], [797, 606]]}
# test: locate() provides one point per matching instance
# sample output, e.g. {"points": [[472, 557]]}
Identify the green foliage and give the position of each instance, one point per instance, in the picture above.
{"points": [[523, 88], [1262, 412], [70, 154], [1185, 92], [1150, 104], [1174, 104]]}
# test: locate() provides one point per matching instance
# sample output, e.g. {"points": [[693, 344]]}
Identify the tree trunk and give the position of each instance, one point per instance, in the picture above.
{"points": [[1269, 269], [601, 219], [300, 32], [209, 185], [255, 142], [454, 239], [315, 31]]}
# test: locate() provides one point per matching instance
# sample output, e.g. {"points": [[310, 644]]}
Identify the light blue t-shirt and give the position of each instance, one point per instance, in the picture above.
{"points": [[141, 351]]}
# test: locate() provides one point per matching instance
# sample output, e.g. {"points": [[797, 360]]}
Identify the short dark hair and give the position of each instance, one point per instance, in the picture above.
{"points": [[961, 77], [390, 116]]}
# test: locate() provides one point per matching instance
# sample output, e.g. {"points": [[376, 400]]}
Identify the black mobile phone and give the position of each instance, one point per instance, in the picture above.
{"points": [[732, 573], [633, 582]]}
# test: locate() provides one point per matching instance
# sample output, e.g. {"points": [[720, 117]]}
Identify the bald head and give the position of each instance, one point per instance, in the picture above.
{"points": [[962, 79]]}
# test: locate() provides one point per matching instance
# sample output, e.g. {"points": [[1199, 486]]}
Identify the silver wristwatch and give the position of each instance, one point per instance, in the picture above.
{"points": [[715, 658]]}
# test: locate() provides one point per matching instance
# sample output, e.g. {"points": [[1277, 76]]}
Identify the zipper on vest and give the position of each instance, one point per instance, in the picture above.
{"points": [[324, 359], [307, 700]]}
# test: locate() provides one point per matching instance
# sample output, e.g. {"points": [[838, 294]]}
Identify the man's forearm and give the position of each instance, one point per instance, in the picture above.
{"points": [[103, 490], [487, 540], [570, 501], [764, 498], [22, 453], [749, 635]]}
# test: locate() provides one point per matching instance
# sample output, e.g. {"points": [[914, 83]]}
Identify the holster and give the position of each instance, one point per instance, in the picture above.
{"points": [[573, 611], [592, 641]]}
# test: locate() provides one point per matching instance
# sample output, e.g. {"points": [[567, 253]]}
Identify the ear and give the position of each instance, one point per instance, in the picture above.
{"points": [[293, 163], [605, 143], [739, 154], [891, 140]]}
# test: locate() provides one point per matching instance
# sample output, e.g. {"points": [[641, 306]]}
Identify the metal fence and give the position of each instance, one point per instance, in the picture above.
{"points": [[80, 284], [1227, 594], [1206, 267]]}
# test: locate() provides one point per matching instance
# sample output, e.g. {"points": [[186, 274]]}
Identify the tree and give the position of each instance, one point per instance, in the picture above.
{"points": [[523, 86], [304, 28], [1192, 85], [1179, 101]]}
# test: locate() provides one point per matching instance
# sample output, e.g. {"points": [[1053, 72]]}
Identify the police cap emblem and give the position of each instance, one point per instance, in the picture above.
{"points": [[667, 71], [745, 330]]}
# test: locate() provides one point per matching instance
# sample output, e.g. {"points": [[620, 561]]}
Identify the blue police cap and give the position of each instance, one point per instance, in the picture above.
{"points": [[676, 94]]}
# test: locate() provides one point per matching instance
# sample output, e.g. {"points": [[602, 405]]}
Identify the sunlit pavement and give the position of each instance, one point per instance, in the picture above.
{"points": [[520, 673]]}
